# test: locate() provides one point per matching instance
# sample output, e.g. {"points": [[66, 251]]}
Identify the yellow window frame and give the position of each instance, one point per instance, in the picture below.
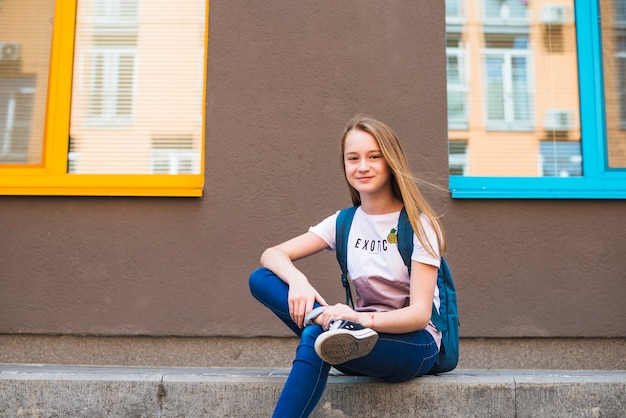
{"points": [[51, 177]]}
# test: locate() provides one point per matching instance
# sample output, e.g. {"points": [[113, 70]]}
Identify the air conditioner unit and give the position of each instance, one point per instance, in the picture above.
{"points": [[9, 51], [558, 120], [554, 14]]}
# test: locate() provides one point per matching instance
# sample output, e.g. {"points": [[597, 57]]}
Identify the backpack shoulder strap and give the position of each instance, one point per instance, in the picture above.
{"points": [[405, 238], [344, 222]]}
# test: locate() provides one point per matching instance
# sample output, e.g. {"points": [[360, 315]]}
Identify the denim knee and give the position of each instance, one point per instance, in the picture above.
{"points": [[253, 280], [257, 277]]}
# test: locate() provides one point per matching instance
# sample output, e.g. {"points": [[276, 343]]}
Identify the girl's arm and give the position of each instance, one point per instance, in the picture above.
{"points": [[279, 259], [411, 318]]}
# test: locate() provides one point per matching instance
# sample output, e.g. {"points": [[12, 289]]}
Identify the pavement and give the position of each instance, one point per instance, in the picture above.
{"points": [[31, 390]]}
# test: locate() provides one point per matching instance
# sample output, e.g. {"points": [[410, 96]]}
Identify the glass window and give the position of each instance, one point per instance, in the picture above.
{"points": [[535, 129], [126, 87], [508, 84], [111, 77], [25, 38], [561, 159], [517, 91], [173, 156], [454, 11], [506, 10], [614, 64], [458, 157], [457, 84], [17, 102], [119, 106]]}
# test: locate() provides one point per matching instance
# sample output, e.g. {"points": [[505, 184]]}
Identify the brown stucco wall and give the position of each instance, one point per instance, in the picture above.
{"points": [[283, 78]]}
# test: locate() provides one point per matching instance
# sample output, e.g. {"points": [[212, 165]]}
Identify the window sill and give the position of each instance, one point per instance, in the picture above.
{"points": [[462, 187]]}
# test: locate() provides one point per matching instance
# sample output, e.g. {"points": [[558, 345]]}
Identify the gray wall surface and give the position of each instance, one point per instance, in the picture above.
{"points": [[283, 78]]}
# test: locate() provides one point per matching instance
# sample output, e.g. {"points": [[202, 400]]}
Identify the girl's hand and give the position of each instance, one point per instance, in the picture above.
{"points": [[301, 299], [280, 260], [341, 311]]}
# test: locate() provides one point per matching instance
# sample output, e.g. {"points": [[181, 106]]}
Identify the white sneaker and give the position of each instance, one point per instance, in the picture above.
{"points": [[344, 341]]}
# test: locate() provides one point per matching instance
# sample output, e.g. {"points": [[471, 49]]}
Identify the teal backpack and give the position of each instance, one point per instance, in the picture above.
{"points": [[446, 319]]}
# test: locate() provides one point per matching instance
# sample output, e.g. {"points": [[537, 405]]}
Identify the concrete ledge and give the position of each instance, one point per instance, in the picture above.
{"points": [[476, 353], [81, 391]]}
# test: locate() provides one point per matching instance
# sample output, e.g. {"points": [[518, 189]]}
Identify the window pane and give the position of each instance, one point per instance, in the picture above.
{"points": [[495, 88], [25, 40], [457, 157], [561, 159], [453, 9], [505, 9], [522, 91], [138, 78], [614, 56]]}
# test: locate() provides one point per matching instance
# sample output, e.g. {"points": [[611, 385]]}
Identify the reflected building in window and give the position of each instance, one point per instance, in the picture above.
{"points": [[513, 102], [25, 38], [138, 78], [614, 63]]}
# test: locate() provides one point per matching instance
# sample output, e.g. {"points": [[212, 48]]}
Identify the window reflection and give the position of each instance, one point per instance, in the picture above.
{"points": [[513, 100], [137, 88], [25, 39], [614, 56], [508, 83]]}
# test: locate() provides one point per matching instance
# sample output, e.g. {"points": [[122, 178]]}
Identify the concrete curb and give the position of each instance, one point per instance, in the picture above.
{"points": [[137, 351], [86, 391]]}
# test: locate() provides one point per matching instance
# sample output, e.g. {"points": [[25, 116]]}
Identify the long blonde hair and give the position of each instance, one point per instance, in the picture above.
{"points": [[403, 183]]}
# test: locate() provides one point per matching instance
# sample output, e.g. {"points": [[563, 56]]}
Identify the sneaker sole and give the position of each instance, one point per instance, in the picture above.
{"points": [[339, 346]]}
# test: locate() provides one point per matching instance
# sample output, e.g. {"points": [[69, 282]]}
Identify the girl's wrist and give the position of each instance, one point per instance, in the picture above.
{"points": [[372, 321]]}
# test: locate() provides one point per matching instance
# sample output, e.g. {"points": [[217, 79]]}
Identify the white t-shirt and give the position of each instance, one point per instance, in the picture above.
{"points": [[375, 266]]}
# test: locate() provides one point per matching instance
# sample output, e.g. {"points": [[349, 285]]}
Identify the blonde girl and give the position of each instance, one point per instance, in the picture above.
{"points": [[388, 334]]}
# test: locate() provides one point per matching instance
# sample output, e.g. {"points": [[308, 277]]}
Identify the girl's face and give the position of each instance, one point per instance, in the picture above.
{"points": [[366, 168]]}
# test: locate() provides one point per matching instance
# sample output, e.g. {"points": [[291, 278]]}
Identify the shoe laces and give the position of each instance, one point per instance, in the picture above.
{"points": [[335, 324]]}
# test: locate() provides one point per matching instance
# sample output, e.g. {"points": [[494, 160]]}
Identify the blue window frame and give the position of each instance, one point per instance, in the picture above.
{"points": [[598, 180]]}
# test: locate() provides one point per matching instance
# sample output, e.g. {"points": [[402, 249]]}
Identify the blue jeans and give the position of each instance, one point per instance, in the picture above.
{"points": [[395, 357]]}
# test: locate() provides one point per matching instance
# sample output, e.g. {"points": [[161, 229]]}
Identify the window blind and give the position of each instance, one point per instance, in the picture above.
{"points": [[137, 96]]}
